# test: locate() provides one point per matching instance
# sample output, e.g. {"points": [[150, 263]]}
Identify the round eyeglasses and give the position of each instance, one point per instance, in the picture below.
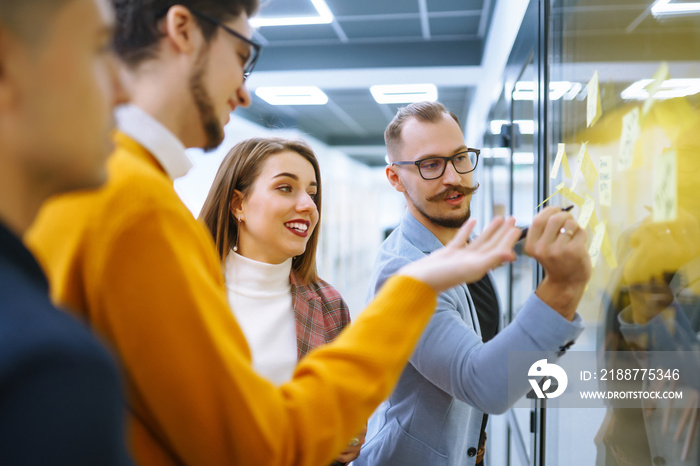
{"points": [[431, 168]]}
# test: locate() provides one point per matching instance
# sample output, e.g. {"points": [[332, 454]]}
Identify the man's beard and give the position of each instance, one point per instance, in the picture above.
{"points": [[213, 132], [451, 221]]}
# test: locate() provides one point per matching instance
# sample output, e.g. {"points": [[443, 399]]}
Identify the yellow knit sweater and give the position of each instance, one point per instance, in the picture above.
{"points": [[132, 261]]}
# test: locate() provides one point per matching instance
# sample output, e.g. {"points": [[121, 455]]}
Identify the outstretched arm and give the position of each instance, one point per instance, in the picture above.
{"points": [[461, 261]]}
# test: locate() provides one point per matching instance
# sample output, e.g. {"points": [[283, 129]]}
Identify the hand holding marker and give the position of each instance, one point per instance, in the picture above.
{"points": [[523, 234]]}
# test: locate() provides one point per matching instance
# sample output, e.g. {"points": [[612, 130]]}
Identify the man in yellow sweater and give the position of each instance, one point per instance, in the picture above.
{"points": [[134, 263]]}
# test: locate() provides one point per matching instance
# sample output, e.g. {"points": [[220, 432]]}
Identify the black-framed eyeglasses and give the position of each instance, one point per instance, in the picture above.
{"points": [[255, 47], [431, 168]]}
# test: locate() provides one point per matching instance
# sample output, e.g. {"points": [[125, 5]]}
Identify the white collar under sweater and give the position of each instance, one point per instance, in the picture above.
{"points": [[151, 134], [261, 299]]}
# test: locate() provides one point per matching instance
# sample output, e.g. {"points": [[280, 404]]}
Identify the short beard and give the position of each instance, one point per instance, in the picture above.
{"points": [[448, 222], [213, 132]]}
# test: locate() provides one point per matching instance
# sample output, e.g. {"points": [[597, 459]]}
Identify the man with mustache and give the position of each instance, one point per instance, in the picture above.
{"points": [[459, 371]]}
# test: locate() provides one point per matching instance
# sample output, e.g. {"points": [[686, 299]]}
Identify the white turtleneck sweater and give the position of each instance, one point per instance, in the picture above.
{"points": [[261, 298]]}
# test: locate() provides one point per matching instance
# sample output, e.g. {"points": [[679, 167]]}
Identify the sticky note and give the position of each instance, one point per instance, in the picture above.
{"points": [[665, 183], [593, 107], [586, 211], [605, 180], [594, 249], [557, 160], [561, 159], [572, 196], [557, 190], [657, 80], [628, 138], [585, 166], [590, 174]]}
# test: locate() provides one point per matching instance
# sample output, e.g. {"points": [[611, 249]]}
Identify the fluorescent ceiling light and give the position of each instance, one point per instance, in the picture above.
{"points": [[523, 158], [525, 126], [667, 8], [403, 93], [525, 90], [324, 17], [297, 95], [669, 89]]}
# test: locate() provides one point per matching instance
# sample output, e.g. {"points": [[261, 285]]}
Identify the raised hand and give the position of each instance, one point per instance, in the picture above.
{"points": [[557, 242], [461, 261]]}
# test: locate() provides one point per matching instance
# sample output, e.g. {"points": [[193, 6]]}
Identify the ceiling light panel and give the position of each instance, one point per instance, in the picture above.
{"points": [[298, 95], [323, 16], [403, 93]]}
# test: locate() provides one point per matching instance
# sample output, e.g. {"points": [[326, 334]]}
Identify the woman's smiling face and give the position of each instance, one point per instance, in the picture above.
{"points": [[279, 214]]}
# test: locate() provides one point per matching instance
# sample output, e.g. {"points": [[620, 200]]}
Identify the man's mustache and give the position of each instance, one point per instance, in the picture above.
{"points": [[463, 190]]}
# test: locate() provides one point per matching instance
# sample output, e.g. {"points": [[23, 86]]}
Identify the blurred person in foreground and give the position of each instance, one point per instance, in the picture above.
{"points": [[133, 262], [61, 401], [460, 370]]}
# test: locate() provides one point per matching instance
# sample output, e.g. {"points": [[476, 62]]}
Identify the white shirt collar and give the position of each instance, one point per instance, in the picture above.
{"points": [[155, 137]]}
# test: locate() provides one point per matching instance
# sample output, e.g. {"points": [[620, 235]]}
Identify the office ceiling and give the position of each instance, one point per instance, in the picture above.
{"points": [[442, 42], [368, 42]]}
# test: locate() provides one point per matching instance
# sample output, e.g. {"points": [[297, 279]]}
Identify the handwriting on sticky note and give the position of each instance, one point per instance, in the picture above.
{"points": [[586, 211], [665, 187], [628, 138], [605, 180], [593, 107], [594, 249]]}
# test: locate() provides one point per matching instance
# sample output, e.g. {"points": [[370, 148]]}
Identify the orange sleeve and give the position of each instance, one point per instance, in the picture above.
{"points": [[155, 292]]}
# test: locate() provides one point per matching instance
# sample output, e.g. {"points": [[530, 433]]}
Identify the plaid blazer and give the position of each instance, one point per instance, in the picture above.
{"points": [[319, 311]]}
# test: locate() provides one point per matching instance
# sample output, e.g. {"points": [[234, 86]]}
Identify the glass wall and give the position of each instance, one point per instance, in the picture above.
{"points": [[623, 146]]}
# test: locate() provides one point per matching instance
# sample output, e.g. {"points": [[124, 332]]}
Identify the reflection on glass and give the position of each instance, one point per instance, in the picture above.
{"points": [[645, 291]]}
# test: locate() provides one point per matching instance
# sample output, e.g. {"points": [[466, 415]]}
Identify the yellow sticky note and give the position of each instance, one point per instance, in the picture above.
{"points": [[561, 152], [572, 196], [628, 138], [606, 250], [556, 191], [593, 222], [665, 181], [657, 80], [586, 211], [565, 165], [605, 181], [590, 174], [594, 249], [579, 162], [593, 107]]}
